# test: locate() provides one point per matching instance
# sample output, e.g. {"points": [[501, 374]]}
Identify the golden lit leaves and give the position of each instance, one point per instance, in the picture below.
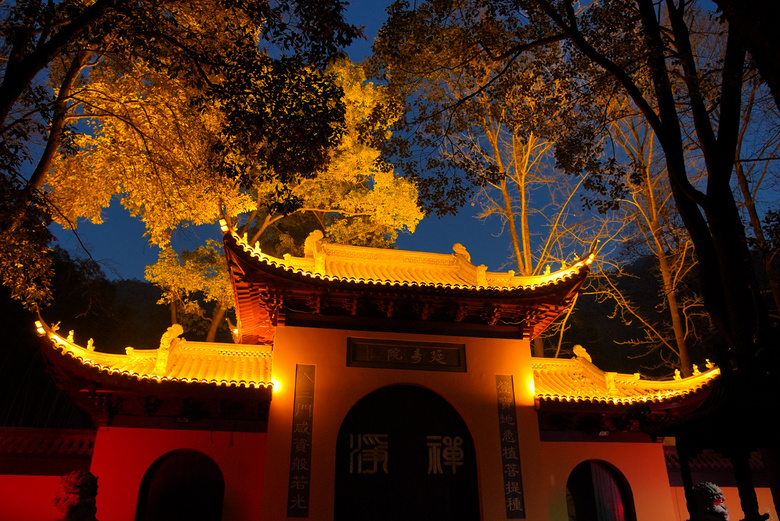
{"points": [[357, 197], [148, 144], [202, 270]]}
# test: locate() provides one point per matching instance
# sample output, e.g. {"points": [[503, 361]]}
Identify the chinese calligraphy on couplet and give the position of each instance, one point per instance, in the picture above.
{"points": [[510, 448], [300, 450]]}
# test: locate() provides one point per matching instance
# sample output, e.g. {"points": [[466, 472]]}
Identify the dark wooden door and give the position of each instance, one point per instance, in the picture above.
{"points": [[403, 452], [183, 485]]}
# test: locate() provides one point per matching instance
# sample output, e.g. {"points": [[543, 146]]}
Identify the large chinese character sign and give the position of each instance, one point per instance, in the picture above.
{"points": [[405, 453]]}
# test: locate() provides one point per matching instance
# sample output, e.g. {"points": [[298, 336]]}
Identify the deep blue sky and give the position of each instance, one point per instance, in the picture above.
{"points": [[123, 252]]}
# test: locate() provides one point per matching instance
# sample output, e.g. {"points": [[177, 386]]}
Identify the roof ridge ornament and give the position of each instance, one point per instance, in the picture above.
{"points": [[581, 352], [169, 340], [460, 251], [313, 244], [481, 276]]}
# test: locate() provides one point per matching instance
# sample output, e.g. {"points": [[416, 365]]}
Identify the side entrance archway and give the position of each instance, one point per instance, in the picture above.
{"points": [[403, 452], [181, 485], [597, 491]]}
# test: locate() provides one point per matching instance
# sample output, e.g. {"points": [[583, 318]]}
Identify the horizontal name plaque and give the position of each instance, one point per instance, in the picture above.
{"points": [[399, 354]]}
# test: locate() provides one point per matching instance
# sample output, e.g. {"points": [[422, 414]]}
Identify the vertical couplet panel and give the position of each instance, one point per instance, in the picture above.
{"points": [[510, 448], [300, 451]]}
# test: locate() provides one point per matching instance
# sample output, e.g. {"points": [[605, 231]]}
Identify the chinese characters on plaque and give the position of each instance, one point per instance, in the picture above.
{"points": [[510, 448], [300, 451], [370, 453], [396, 354]]}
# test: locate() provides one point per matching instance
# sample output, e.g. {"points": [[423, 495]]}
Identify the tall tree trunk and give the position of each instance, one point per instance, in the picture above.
{"points": [[767, 257], [756, 21], [56, 129], [22, 67], [216, 319], [678, 327]]}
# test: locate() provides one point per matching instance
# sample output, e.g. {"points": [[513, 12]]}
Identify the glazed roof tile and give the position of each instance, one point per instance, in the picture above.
{"points": [[578, 380], [240, 365], [46, 442], [231, 365], [379, 266], [708, 460]]}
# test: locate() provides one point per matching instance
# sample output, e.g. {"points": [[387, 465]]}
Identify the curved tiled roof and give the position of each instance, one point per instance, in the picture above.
{"points": [[379, 266], [230, 365], [336, 283], [578, 380]]}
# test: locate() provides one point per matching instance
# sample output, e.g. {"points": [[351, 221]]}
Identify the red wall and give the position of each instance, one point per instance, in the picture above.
{"points": [[27, 498], [122, 456], [642, 464], [546, 466]]}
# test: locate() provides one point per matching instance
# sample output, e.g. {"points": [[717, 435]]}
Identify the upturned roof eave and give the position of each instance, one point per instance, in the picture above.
{"points": [[109, 368], [560, 383], [258, 267]]}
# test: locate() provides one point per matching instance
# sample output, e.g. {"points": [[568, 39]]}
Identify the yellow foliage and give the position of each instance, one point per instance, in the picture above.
{"points": [[202, 270], [149, 145], [357, 194]]}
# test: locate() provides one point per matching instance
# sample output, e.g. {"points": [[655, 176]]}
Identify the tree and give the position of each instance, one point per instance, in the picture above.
{"points": [[496, 144], [756, 176], [199, 273], [356, 199], [619, 45], [624, 45], [657, 232], [756, 23], [218, 49]]}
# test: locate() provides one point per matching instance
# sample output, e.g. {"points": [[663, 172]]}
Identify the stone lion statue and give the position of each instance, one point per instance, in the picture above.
{"points": [[709, 501], [75, 497]]}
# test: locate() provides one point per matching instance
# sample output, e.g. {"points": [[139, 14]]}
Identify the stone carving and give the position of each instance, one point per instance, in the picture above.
{"points": [[580, 352], [709, 501], [168, 341], [459, 249], [75, 497], [313, 243]]}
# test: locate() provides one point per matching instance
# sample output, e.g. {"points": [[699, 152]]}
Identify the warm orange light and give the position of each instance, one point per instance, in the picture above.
{"points": [[530, 385], [275, 385]]}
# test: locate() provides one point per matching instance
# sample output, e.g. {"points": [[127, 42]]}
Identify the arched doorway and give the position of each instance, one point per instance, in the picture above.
{"points": [[403, 452], [182, 485], [598, 491]]}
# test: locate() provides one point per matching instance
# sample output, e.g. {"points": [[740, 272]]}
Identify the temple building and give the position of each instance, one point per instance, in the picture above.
{"points": [[364, 384]]}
